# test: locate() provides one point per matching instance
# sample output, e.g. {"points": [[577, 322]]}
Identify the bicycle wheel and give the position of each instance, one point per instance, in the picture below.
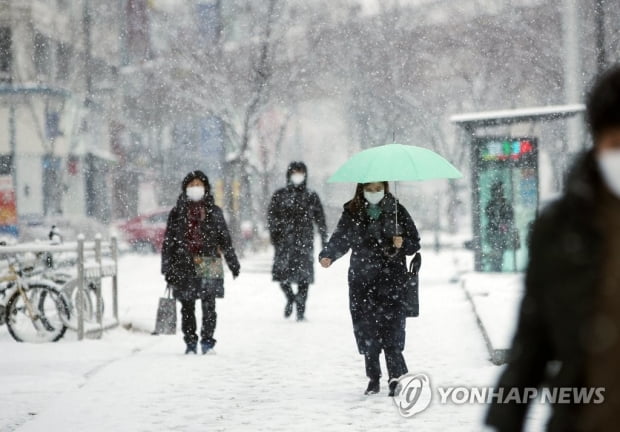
{"points": [[40, 314], [88, 309]]}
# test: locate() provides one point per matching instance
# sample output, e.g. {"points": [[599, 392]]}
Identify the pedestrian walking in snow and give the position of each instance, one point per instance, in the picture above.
{"points": [[500, 230], [377, 274], [292, 214], [196, 238], [568, 333]]}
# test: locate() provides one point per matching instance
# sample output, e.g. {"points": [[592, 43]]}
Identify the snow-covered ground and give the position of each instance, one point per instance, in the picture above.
{"points": [[490, 293], [268, 373]]}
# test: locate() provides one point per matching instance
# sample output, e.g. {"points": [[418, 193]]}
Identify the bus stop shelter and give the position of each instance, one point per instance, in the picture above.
{"points": [[505, 183]]}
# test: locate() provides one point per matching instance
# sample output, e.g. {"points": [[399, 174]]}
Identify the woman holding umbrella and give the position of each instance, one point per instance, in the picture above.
{"points": [[380, 234]]}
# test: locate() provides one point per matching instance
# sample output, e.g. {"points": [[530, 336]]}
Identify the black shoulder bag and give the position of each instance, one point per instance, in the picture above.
{"points": [[412, 285]]}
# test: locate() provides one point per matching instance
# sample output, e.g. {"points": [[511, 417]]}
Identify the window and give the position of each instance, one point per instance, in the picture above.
{"points": [[52, 185], [52, 125], [63, 61], [5, 55], [41, 55]]}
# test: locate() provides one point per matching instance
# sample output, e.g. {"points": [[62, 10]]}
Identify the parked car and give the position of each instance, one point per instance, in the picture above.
{"points": [[145, 232]]}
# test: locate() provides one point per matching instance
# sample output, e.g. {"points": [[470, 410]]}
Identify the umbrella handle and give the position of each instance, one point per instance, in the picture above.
{"points": [[396, 227], [396, 199]]}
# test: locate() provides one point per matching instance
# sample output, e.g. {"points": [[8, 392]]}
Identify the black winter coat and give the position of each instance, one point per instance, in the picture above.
{"points": [[561, 284], [176, 261], [500, 223], [376, 272], [292, 212]]}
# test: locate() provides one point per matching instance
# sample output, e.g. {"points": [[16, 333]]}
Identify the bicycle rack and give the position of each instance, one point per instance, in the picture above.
{"points": [[95, 260], [95, 271]]}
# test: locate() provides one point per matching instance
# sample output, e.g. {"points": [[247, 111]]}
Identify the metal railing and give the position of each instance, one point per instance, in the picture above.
{"points": [[95, 260]]}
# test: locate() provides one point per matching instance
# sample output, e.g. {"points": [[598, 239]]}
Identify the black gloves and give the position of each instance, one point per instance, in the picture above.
{"points": [[235, 272]]}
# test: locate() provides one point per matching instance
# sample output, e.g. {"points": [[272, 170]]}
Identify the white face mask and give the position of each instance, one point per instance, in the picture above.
{"points": [[609, 165], [297, 178], [195, 193], [374, 198]]}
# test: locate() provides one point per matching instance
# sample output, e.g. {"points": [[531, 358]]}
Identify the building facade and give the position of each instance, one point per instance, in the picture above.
{"points": [[57, 101]]}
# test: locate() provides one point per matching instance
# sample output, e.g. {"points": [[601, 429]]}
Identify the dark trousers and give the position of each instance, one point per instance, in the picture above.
{"points": [[188, 320], [394, 359], [496, 259], [300, 298]]}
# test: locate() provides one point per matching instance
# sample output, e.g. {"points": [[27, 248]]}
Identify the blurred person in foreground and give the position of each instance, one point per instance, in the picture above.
{"points": [[196, 237], [568, 334], [292, 214]]}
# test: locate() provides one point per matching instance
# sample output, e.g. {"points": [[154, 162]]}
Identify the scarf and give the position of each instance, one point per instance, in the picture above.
{"points": [[193, 236], [374, 211]]}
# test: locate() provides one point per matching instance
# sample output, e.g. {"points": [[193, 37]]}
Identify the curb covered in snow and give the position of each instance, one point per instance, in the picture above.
{"points": [[495, 300]]}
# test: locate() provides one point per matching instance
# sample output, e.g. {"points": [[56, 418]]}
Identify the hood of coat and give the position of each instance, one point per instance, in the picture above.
{"points": [[193, 175], [578, 206], [583, 183], [296, 166]]}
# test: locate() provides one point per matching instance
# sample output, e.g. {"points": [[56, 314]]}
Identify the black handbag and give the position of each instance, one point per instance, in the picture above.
{"points": [[412, 286], [166, 319]]}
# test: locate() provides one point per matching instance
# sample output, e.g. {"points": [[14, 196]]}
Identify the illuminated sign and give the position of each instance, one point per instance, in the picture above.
{"points": [[508, 149]]}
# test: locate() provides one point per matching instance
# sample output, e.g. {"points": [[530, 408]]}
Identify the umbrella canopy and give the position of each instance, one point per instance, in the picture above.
{"points": [[395, 162]]}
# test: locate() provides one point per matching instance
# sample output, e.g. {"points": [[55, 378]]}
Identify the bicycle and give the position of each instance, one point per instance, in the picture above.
{"points": [[69, 286], [34, 310], [68, 282]]}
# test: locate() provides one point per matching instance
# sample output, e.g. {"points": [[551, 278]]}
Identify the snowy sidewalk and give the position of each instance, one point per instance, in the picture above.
{"points": [[495, 299], [268, 373]]}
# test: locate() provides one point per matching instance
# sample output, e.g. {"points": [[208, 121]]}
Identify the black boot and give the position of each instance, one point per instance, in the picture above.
{"points": [[288, 309], [207, 345], [373, 387], [191, 348], [300, 300], [394, 387], [290, 298], [301, 307]]}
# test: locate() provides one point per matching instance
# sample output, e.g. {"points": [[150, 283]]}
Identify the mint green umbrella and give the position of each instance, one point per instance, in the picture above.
{"points": [[395, 162]]}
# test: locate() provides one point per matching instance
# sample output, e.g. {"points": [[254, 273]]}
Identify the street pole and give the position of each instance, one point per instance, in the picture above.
{"points": [[13, 145], [599, 17], [572, 72], [123, 54], [87, 135], [87, 52]]}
